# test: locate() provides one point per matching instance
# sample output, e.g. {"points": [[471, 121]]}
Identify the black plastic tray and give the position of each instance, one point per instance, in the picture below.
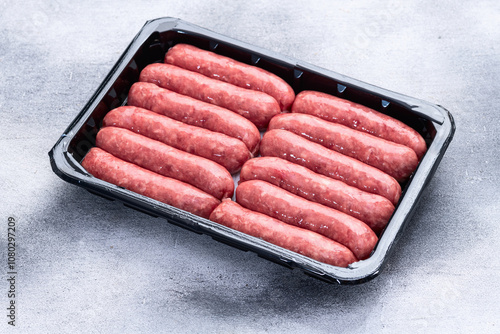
{"points": [[433, 122]]}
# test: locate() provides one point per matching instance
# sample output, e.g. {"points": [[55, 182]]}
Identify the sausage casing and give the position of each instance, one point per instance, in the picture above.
{"points": [[229, 70], [167, 161], [273, 201], [397, 160], [319, 159], [374, 210], [359, 117], [227, 151], [296, 239], [181, 195], [258, 107], [194, 112]]}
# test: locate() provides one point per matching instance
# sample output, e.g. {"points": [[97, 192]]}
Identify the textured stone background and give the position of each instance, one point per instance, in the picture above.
{"points": [[87, 265]]}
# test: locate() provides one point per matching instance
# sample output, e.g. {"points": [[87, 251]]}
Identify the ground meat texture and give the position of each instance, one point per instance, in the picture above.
{"points": [[278, 203], [229, 70], [296, 239], [255, 106], [289, 146], [194, 112], [107, 167], [397, 160], [167, 161], [374, 210], [359, 117], [227, 151]]}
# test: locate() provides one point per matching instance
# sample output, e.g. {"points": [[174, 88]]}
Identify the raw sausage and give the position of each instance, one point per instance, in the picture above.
{"points": [[273, 201], [397, 160], [181, 195], [374, 210], [319, 159], [359, 117], [256, 106], [229, 70], [167, 161], [227, 151], [296, 239], [191, 111]]}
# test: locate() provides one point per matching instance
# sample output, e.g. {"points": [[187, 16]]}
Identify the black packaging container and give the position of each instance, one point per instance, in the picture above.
{"points": [[433, 122]]}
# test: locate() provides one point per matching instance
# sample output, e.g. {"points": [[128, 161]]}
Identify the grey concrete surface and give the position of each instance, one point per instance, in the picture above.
{"points": [[87, 265]]}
